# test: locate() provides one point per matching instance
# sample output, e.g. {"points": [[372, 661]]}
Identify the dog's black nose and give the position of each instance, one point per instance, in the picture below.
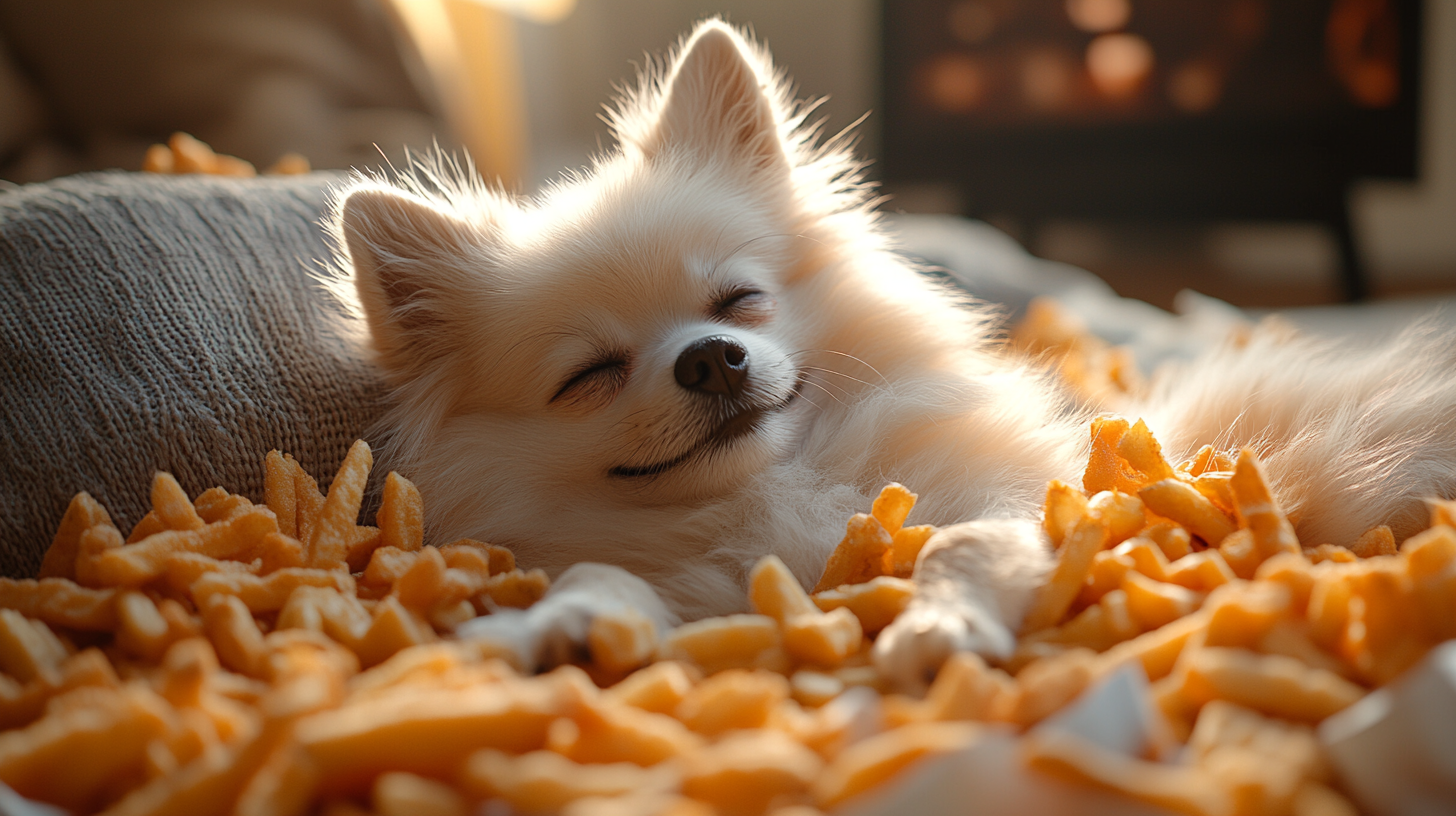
{"points": [[714, 365]]}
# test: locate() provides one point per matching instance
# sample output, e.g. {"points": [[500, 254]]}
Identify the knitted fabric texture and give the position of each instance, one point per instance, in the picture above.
{"points": [[165, 323]]}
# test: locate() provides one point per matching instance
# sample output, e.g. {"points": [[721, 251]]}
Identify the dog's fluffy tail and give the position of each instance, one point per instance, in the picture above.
{"points": [[1352, 436]]}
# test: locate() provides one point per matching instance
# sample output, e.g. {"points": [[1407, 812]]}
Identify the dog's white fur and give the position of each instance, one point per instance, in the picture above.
{"points": [[482, 309]]}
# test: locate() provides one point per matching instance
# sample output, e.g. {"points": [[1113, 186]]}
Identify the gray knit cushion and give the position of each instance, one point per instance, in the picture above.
{"points": [[164, 323]]}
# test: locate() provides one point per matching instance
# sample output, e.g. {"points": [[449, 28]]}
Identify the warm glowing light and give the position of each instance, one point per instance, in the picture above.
{"points": [[1046, 78], [539, 11], [1195, 87], [1099, 16], [955, 83], [1119, 64], [972, 21]]}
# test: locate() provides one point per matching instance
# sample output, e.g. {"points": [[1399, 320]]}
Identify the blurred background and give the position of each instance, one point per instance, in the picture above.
{"points": [[1266, 152]]}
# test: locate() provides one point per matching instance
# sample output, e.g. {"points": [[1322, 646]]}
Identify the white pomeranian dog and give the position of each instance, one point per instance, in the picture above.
{"points": [[704, 350]]}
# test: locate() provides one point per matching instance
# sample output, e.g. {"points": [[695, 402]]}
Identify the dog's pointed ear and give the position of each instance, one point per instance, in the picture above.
{"points": [[717, 102], [406, 257]]}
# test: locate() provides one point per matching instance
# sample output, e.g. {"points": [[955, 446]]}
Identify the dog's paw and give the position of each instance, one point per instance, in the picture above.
{"points": [[554, 630], [911, 650], [542, 637]]}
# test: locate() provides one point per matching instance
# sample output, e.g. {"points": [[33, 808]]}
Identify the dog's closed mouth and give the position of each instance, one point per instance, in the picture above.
{"points": [[740, 424]]}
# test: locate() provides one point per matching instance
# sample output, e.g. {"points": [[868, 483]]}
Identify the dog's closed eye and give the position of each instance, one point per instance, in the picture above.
{"points": [[595, 383], [743, 305]]}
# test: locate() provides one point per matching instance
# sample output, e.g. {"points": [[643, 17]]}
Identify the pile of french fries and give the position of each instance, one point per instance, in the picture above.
{"points": [[280, 658], [185, 154]]}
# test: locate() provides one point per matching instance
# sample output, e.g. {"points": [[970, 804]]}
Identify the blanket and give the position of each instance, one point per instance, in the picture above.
{"points": [[165, 323]]}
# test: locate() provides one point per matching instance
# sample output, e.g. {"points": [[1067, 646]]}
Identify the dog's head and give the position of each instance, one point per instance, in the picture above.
{"points": [[630, 335]]}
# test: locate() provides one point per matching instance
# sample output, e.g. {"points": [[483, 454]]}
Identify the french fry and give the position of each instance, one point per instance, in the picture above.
{"points": [[266, 593], [1054, 598], [966, 688], [1258, 511], [773, 591], [1241, 552], [22, 704], [308, 504], [1142, 453], [824, 638], [29, 650], [622, 641], [744, 772], [1181, 502], [892, 506], [735, 698], [860, 556], [1375, 541], [60, 602], [1159, 649], [82, 514], [158, 159], [545, 782], [90, 743], [328, 544], [235, 634], [813, 688], [659, 688], [517, 589], [422, 734], [1065, 506], [1105, 574], [1122, 514], [1068, 756], [279, 475], [1240, 614], [1154, 604], [174, 510], [401, 517], [1147, 558], [607, 731], [875, 602], [1173, 540], [715, 644], [406, 794], [1384, 636], [1201, 571], [136, 564], [869, 762], [1047, 685], [905, 549], [1204, 460], [1105, 468], [1273, 684]]}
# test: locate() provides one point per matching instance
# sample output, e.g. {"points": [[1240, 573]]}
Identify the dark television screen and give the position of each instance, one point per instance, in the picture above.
{"points": [[1150, 109]]}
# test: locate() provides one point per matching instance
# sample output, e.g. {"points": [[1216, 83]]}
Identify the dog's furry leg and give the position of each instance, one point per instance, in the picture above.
{"points": [[554, 630], [973, 583]]}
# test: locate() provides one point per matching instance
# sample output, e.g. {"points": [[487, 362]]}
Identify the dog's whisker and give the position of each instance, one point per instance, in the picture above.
{"points": [[843, 354], [831, 394], [842, 374]]}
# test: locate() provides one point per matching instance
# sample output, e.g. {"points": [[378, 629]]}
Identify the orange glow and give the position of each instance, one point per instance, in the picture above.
{"points": [[1046, 78], [1195, 87], [955, 83], [972, 21], [1119, 64], [1099, 16]]}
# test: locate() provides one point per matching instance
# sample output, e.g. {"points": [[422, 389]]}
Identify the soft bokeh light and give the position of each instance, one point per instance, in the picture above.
{"points": [[540, 11], [1047, 77], [1195, 86], [955, 83], [1119, 64], [1099, 16], [972, 21]]}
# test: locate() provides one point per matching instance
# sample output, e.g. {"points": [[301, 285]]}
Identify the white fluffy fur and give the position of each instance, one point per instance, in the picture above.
{"points": [[481, 307]]}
